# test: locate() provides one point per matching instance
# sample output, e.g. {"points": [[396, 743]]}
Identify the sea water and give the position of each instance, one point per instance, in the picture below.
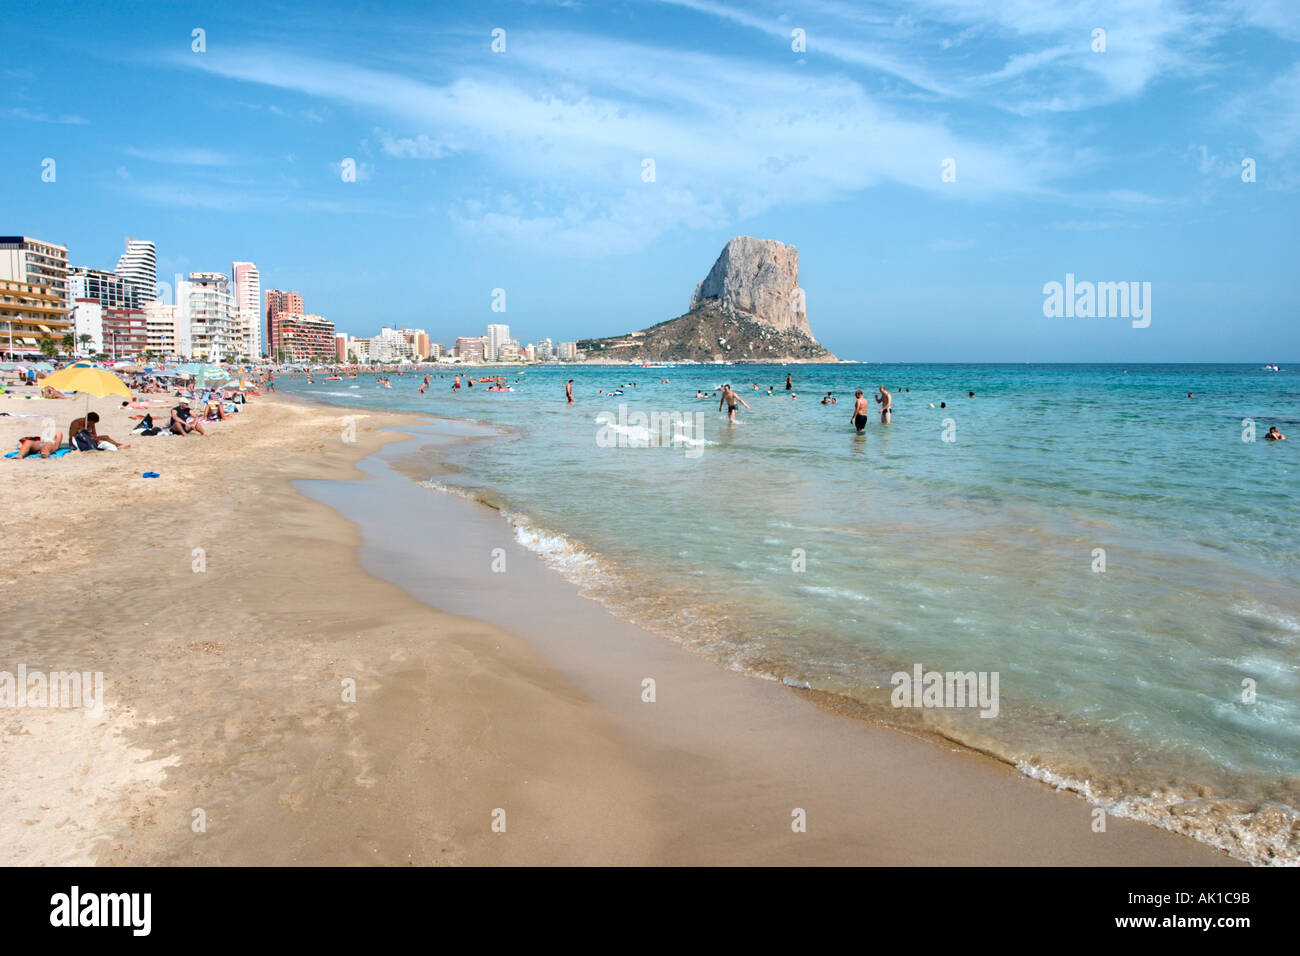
{"points": [[1122, 556]]}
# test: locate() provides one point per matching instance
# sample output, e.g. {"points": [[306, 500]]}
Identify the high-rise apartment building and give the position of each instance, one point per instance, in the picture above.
{"points": [[208, 308], [167, 335], [107, 288], [471, 349], [38, 263], [138, 265], [126, 334], [498, 335], [277, 302], [305, 337], [247, 282]]}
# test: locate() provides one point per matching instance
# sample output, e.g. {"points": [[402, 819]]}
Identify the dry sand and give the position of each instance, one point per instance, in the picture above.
{"points": [[226, 738]]}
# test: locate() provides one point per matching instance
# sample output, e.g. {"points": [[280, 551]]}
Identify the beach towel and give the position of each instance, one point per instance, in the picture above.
{"points": [[56, 454]]}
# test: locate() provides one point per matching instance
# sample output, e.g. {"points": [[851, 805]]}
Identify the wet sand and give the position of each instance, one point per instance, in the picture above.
{"points": [[476, 691]]}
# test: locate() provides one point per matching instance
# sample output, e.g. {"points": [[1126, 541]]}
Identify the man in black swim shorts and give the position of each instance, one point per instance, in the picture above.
{"points": [[859, 416]]}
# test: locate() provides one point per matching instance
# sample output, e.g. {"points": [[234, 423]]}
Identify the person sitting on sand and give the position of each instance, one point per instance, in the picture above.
{"points": [[48, 391], [1274, 434], [90, 423], [184, 422], [35, 445]]}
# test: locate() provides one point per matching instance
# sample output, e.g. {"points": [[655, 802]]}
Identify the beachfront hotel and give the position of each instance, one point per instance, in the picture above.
{"points": [[30, 314], [36, 262], [304, 337]]}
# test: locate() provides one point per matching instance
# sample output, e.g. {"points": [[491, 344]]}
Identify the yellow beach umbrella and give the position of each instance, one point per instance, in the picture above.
{"points": [[89, 381], [92, 381]]}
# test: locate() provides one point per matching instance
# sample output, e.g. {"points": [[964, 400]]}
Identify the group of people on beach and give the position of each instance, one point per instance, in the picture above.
{"points": [[84, 433]]}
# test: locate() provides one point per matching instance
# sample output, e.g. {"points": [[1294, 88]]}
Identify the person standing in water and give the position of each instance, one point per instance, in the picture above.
{"points": [[568, 391], [455, 386], [859, 416], [730, 398], [789, 383], [886, 403]]}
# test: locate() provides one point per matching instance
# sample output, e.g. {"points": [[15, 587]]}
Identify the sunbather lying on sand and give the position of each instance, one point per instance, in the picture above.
{"points": [[50, 392], [35, 445]]}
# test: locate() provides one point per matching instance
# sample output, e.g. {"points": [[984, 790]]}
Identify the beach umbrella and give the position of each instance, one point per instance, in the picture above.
{"points": [[91, 381]]}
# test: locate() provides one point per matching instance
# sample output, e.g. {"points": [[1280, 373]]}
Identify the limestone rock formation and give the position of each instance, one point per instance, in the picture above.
{"points": [[759, 278], [749, 308]]}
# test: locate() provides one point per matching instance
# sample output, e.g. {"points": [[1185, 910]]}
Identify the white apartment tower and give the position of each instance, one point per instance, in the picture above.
{"points": [[138, 265], [208, 310], [498, 335], [248, 302]]}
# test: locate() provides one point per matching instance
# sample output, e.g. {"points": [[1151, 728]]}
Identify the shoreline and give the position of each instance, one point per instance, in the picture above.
{"points": [[231, 707], [761, 701], [1251, 833]]}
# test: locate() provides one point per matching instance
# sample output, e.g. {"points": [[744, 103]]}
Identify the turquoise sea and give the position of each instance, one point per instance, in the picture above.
{"points": [[1110, 547]]}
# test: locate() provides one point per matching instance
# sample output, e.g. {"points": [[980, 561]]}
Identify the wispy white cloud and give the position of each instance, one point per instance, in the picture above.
{"points": [[728, 140], [1049, 64], [181, 156], [36, 116]]}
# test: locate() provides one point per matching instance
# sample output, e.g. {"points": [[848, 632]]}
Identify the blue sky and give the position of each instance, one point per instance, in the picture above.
{"points": [[522, 169]]}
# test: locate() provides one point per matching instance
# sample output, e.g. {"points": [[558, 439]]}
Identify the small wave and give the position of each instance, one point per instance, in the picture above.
{"points": [[556, 550]]}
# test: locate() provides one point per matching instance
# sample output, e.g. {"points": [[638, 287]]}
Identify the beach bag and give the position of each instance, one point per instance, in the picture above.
{"points": [[82, 441]]}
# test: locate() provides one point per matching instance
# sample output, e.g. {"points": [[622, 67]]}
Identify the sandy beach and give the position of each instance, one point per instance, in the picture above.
{"points": [[231, 614]]}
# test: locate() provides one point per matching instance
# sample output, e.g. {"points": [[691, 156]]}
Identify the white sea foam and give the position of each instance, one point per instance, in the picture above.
{"points": [[842, 593], [1240, 833], [555, 549]]}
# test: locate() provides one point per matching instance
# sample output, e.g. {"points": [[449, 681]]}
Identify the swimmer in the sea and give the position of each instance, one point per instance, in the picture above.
{"points": [[1274, 434], [730, 398], [859, 416]]}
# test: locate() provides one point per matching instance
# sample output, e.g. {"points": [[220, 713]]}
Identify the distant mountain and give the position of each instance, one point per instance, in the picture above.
{"points": [[749, 308]]}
